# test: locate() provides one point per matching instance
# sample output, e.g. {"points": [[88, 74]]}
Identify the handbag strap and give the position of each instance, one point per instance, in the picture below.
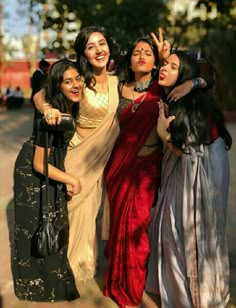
{"points": [[58, 161], [45, 206]]}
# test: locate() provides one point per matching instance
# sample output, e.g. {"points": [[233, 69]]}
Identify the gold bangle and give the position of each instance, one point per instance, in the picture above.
{"points": [[45, 104]]}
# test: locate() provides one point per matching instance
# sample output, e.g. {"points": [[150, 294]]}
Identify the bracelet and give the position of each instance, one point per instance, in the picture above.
{"points": [[45, 104], [195, 83]]}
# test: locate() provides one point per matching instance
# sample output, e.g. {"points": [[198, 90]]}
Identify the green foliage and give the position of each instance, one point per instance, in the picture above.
{"points": [[220, 49], [125, 20], [223, 6], [216, 37]]}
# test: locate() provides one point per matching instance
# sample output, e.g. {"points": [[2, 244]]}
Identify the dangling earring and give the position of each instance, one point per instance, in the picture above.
{"points": [[154, 71]]}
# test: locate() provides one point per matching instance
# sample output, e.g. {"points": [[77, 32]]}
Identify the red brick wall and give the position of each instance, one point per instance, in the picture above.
{"points": [[16, 73]]}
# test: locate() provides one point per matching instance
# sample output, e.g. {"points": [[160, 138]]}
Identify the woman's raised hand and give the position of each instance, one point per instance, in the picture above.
{"points": [[163, 123], [163, 46]]}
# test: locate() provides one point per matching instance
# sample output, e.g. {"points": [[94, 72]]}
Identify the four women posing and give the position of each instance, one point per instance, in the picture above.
{"points": [[133, 172]]}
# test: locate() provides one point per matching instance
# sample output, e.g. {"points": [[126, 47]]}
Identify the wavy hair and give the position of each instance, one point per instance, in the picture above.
{"points": [[80, 44], [197, 114]]}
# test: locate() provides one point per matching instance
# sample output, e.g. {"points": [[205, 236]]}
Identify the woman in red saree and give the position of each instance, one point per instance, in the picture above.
{"points": [[132, 181], [132, 177]]}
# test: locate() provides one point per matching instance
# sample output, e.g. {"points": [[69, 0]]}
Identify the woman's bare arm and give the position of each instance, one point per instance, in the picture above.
{"points": [[55, 173], [187, 86], [52, 115]]}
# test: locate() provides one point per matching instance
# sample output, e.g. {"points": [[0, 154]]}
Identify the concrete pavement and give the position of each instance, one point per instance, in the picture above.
{"points": [[15, 128]]}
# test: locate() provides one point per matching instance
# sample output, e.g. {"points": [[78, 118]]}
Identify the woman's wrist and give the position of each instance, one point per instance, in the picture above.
{"points": [[45, 107], [197, 83], [168, 137], [165, 136]]}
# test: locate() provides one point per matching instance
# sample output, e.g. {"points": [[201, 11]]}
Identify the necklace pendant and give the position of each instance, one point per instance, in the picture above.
{"points": [[134, 107]]}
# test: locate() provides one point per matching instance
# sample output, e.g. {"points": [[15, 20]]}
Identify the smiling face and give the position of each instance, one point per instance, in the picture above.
{"points": [[142, 59], [72, 85], [169, 72], [97, 51]]}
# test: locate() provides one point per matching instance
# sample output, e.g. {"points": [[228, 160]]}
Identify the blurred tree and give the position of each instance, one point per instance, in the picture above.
{"points": [[31, 41], [223, 6], [219, 47], [124, 19], [62, 20], [189, 27], [211, 29], [5, 50]]}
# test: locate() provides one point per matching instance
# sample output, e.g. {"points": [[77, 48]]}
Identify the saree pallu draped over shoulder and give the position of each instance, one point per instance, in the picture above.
{"points": [[86, 159], [131, 182]]}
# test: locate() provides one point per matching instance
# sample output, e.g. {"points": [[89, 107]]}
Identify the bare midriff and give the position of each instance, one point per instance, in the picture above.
{"points": [[151, 144]]}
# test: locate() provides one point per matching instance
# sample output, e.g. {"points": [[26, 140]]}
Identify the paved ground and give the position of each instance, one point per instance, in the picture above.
{"points": [[15, 127]]}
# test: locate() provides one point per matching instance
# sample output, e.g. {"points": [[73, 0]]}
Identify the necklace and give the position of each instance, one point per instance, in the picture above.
{"points": [[142, 86], [135, 106]]}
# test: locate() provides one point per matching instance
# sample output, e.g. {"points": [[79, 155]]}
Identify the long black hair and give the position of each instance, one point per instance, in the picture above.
{"points": [[80, 44], [53, 93], [188, 68], [197, 114]]}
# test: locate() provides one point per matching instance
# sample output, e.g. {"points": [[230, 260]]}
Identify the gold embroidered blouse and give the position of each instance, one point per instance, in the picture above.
{"points": [[93, 108]]}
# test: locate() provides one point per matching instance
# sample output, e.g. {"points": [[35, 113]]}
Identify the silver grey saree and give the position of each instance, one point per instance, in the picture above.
{"points": [[188, 265]]}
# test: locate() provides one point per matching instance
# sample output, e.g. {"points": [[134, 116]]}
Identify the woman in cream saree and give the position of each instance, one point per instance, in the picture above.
{"points": [[96, 131], [87, 157]]}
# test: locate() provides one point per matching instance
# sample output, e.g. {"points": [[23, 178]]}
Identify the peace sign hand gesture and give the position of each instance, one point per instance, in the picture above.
{"points": [[163, 46]]}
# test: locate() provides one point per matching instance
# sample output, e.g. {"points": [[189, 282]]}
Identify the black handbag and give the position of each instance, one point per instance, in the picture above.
{"points": [[52, 233], [67, 123]]}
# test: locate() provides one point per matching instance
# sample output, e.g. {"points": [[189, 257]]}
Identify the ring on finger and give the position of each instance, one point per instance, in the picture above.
{"points": [[48, 115]]}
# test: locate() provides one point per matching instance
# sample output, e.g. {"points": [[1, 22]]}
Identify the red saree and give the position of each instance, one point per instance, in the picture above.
{"points": [[132, 183]]}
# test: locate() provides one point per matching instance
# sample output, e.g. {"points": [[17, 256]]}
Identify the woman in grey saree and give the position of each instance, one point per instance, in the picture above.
{"points": [[188, 264]]}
